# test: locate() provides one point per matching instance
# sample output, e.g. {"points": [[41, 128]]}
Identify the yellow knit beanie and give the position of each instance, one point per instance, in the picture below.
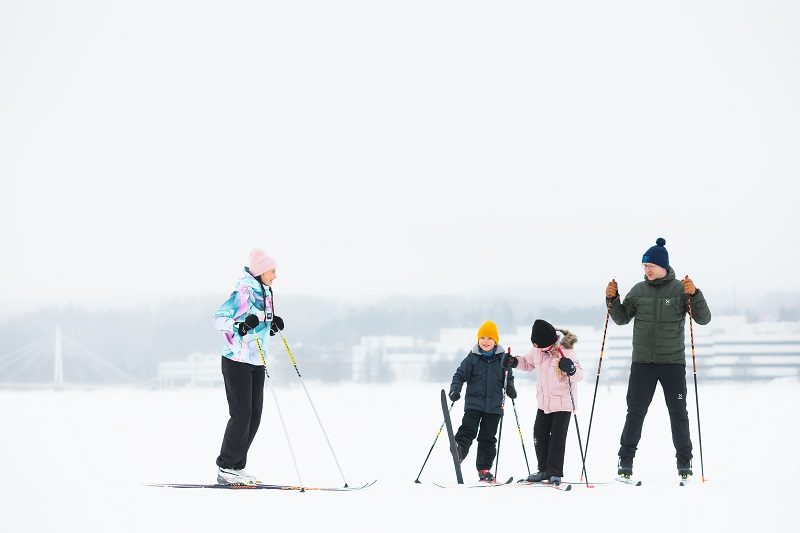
{"points": [[489, 329]]}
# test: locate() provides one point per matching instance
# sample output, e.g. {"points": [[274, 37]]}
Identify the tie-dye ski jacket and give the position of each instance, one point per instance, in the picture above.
{"points": [[247, 298]]}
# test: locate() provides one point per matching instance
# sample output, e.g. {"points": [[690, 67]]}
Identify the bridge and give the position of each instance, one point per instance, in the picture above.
{"points": [[41, 363]]}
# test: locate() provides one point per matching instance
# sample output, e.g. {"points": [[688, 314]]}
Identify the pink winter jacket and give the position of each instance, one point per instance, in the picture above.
{"points": [[552, 390]]}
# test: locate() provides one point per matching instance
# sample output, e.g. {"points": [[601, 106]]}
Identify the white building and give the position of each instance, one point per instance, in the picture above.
{"points": [[727, 349], [390, 358], [198, 369]]}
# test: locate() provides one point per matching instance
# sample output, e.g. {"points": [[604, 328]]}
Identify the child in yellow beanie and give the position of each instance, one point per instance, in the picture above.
{"points": [[485, 376]]}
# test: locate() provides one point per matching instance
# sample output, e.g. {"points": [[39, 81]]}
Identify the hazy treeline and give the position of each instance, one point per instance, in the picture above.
{"points": [[133, 341], [126, 345]]}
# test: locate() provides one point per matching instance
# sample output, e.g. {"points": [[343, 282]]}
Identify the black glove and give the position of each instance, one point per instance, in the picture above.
{"points": [[566, 365], [250, 323], [455, 395], [276, 326], [509, 361], [512, 392]]}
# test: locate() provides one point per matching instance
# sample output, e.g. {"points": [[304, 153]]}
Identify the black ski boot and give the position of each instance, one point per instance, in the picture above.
{"points": [[625, 467], [555, 480], [485, 475], [537, 477], [685, 470]]}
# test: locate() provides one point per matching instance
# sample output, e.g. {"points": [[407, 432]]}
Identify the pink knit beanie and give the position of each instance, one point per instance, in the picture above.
{"points": [[260, 262]]}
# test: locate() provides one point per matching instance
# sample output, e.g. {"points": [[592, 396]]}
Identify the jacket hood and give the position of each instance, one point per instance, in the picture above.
{"points": [[566, 338], [249, 280]]}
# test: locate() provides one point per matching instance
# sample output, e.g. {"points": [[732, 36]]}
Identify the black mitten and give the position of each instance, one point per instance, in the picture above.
{"points": [[566, 365], [250, 323], [276, 326]]}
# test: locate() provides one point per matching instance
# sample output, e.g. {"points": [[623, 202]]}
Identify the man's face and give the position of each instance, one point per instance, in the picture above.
{"points": [[652, 271]]}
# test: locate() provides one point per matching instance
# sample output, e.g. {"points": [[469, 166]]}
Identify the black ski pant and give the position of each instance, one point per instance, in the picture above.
{"points": [[641, 387], [550, 441], [244, 387], [488, 422]]}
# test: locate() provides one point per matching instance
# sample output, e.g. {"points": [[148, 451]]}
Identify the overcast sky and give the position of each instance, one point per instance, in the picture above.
{"points": [[381, 148]]}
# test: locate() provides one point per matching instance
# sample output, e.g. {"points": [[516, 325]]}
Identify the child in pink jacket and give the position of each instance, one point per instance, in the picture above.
{"points": [[556, 368]]}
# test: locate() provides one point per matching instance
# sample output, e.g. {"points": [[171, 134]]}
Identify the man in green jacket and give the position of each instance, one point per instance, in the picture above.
{"points": [[658, 306]]}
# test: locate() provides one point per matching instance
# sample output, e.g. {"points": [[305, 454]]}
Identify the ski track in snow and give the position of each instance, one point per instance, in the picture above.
{"points": [[77, 460]]}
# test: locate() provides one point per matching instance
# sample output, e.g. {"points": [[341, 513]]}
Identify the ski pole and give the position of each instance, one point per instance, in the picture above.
{"points": [[280, 415], [313, 407], [696, 398], [432, 445], [577, 429], [502, 412], [521, 438], [596, 383], [500, 435]]}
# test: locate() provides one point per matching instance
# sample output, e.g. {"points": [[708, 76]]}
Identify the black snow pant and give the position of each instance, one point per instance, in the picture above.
{"points": [[641, 387], [550, 441], [244, 387], [488, 423]]}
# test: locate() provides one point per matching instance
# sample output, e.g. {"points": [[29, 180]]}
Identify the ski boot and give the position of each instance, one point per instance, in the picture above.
{"points": [[684, 471], [485, 475], [625, 468], [230, 476], [537, 477], [555, 480]]}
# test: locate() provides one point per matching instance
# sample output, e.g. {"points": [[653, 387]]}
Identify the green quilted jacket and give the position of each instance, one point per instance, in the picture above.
{"points": [[659, 310]]}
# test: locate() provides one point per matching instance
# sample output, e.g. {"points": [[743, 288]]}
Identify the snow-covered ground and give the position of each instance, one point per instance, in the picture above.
{"points": [[79, 461]]}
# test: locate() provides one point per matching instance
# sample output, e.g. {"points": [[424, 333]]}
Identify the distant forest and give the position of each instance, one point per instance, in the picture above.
{"points": [[127, 345]]}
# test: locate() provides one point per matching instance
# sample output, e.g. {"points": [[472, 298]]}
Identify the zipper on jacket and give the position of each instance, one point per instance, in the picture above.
{"points": [[486, 385], [655, 327]]}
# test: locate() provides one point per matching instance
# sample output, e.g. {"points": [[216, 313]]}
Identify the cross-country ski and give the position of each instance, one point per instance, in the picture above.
{"points": [[480, 484], [259, 486]]}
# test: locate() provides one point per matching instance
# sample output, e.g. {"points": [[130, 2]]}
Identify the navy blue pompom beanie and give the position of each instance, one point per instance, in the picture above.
{"points": [[657, 254]]}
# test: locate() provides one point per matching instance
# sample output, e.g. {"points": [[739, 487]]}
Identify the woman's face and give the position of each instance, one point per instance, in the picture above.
{"points": [[268, 276]]}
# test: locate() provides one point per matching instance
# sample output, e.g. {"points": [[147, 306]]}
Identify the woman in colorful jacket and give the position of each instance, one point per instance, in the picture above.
{"points": [[557, 370], [246, 320]]}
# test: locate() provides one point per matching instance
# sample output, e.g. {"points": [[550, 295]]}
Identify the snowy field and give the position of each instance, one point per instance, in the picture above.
{"points": [[79, 460]]}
